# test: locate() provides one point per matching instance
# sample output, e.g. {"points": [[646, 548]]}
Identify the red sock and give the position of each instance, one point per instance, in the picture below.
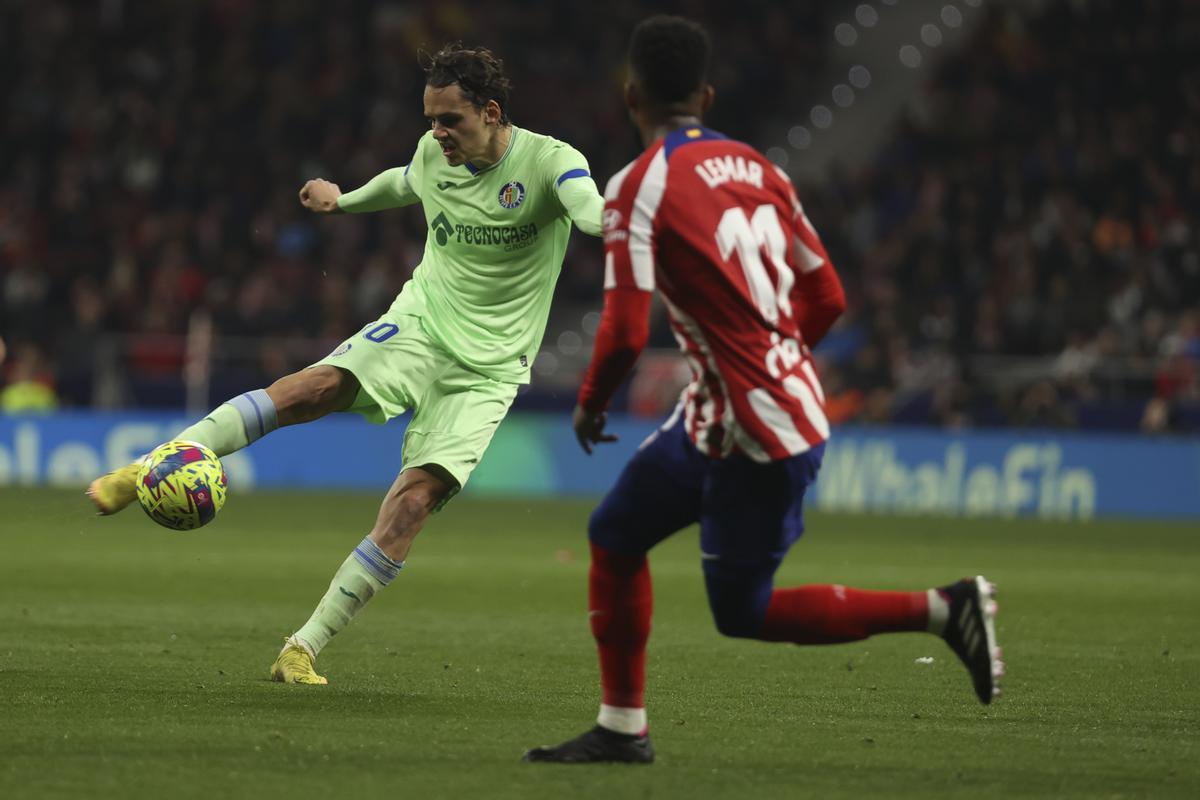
{"points": [[620, 602], [828, 614]]}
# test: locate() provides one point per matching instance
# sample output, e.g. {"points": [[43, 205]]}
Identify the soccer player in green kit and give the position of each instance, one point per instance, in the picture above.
{"points": [[456, 343]]}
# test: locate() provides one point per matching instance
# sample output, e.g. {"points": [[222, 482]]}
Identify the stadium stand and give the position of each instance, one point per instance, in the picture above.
{"points": [[1023, 251]]}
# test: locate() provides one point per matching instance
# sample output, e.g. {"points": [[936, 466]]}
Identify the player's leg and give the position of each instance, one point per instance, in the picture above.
{"points": [[753, 514], [657, 494], [300, 397], [370, 568], [360, 374], [293, 399], [962, 613], [456, 416]]}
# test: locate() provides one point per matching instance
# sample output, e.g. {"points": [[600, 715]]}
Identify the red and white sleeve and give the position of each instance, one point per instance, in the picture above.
{"points": [[632, 199], [817, 295]]}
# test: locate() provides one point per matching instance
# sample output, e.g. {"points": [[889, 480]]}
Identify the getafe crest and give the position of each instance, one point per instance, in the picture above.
{"points": [[512, 194]]}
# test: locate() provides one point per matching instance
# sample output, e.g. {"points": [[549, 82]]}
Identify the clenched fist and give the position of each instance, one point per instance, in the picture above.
{"points": [[321, 196]]}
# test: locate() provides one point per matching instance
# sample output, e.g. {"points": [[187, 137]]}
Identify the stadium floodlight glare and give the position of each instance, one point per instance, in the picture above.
{"points": [[799, 137], [866, 15], [569, 343], [546, 363], [844, 95], [778, 156], [590, 323]]}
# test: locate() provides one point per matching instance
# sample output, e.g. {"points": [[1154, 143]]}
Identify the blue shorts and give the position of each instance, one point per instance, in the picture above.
{"points": [[749, 513]]}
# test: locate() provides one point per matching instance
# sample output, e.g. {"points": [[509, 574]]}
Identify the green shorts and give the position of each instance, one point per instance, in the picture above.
{"points": [[455, 409]]}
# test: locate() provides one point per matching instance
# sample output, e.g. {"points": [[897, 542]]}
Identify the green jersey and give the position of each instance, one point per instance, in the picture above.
{"points": [[494, 247]]}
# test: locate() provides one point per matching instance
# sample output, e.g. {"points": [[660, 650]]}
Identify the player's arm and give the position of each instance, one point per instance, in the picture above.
{"points": [[620, 339], [817, 295], [575, 189], [818, 298], [388, 189], [629, 254], [391, 188], [583, 203]]}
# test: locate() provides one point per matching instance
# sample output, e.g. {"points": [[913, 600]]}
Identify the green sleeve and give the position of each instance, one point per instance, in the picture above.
{"points": [[572, 183], [583, 203], [388, 189]]}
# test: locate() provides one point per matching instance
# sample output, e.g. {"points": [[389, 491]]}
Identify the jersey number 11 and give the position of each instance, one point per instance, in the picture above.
{"points": [[750, 236]]}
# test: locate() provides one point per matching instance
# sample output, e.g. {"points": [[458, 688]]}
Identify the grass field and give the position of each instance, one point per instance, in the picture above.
{"points": [[133, 662]]}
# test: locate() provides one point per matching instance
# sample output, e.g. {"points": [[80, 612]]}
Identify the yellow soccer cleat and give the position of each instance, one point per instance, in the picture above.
{"points": [[112, 492], [295, 665]]}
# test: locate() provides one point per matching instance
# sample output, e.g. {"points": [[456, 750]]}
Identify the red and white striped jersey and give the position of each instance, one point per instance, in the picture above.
{"points": [[719, 231]]}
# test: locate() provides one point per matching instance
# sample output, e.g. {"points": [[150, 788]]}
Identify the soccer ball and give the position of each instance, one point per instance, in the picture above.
{"points": [[181, 485]]}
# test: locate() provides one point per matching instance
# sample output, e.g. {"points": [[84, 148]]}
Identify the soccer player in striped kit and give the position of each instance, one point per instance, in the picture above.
{"points": [[749, 288]]}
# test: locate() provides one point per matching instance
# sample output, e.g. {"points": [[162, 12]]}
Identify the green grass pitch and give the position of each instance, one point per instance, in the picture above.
{"points": [[133, 661]]}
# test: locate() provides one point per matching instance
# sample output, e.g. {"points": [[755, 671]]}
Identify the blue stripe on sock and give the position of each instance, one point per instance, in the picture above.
{"points": [[376, 561], [258, 413], [376, 550], [385, 565], [270, 416], [372, 568], [371, 561], [379, 575]]}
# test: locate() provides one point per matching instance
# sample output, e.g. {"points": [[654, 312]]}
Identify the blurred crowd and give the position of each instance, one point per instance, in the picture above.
{"points": [[150, 156], [1023, 251]]}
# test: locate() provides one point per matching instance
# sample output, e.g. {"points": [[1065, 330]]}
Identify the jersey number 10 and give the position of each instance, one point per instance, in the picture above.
{"points": [[750, 236]]}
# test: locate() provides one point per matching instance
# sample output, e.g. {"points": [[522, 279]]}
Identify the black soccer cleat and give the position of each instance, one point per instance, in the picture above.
{"points": [[597, 746], [971, 633]]}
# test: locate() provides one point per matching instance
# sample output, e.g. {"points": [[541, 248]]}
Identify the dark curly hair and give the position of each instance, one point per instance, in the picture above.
{"points": [[669, 55], [478, 73]]}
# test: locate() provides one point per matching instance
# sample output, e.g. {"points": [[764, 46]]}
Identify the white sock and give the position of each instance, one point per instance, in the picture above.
{"points": [[622, 720], [939, 611]]}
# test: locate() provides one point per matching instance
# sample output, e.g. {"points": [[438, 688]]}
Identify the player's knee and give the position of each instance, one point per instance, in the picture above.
{"points": [[737, 623], [311, 393], [605, 526], [411, 507], [738, 596], [416, 494], [330, 388], [400, 519]]}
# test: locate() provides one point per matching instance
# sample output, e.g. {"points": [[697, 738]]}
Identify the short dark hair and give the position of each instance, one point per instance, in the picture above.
{"points": [[669, 55], [478, 73]]}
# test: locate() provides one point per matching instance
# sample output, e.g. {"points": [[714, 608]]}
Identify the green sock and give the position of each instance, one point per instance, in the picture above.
{"points": [[365, 572], [221, 431], [231, 426]]}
